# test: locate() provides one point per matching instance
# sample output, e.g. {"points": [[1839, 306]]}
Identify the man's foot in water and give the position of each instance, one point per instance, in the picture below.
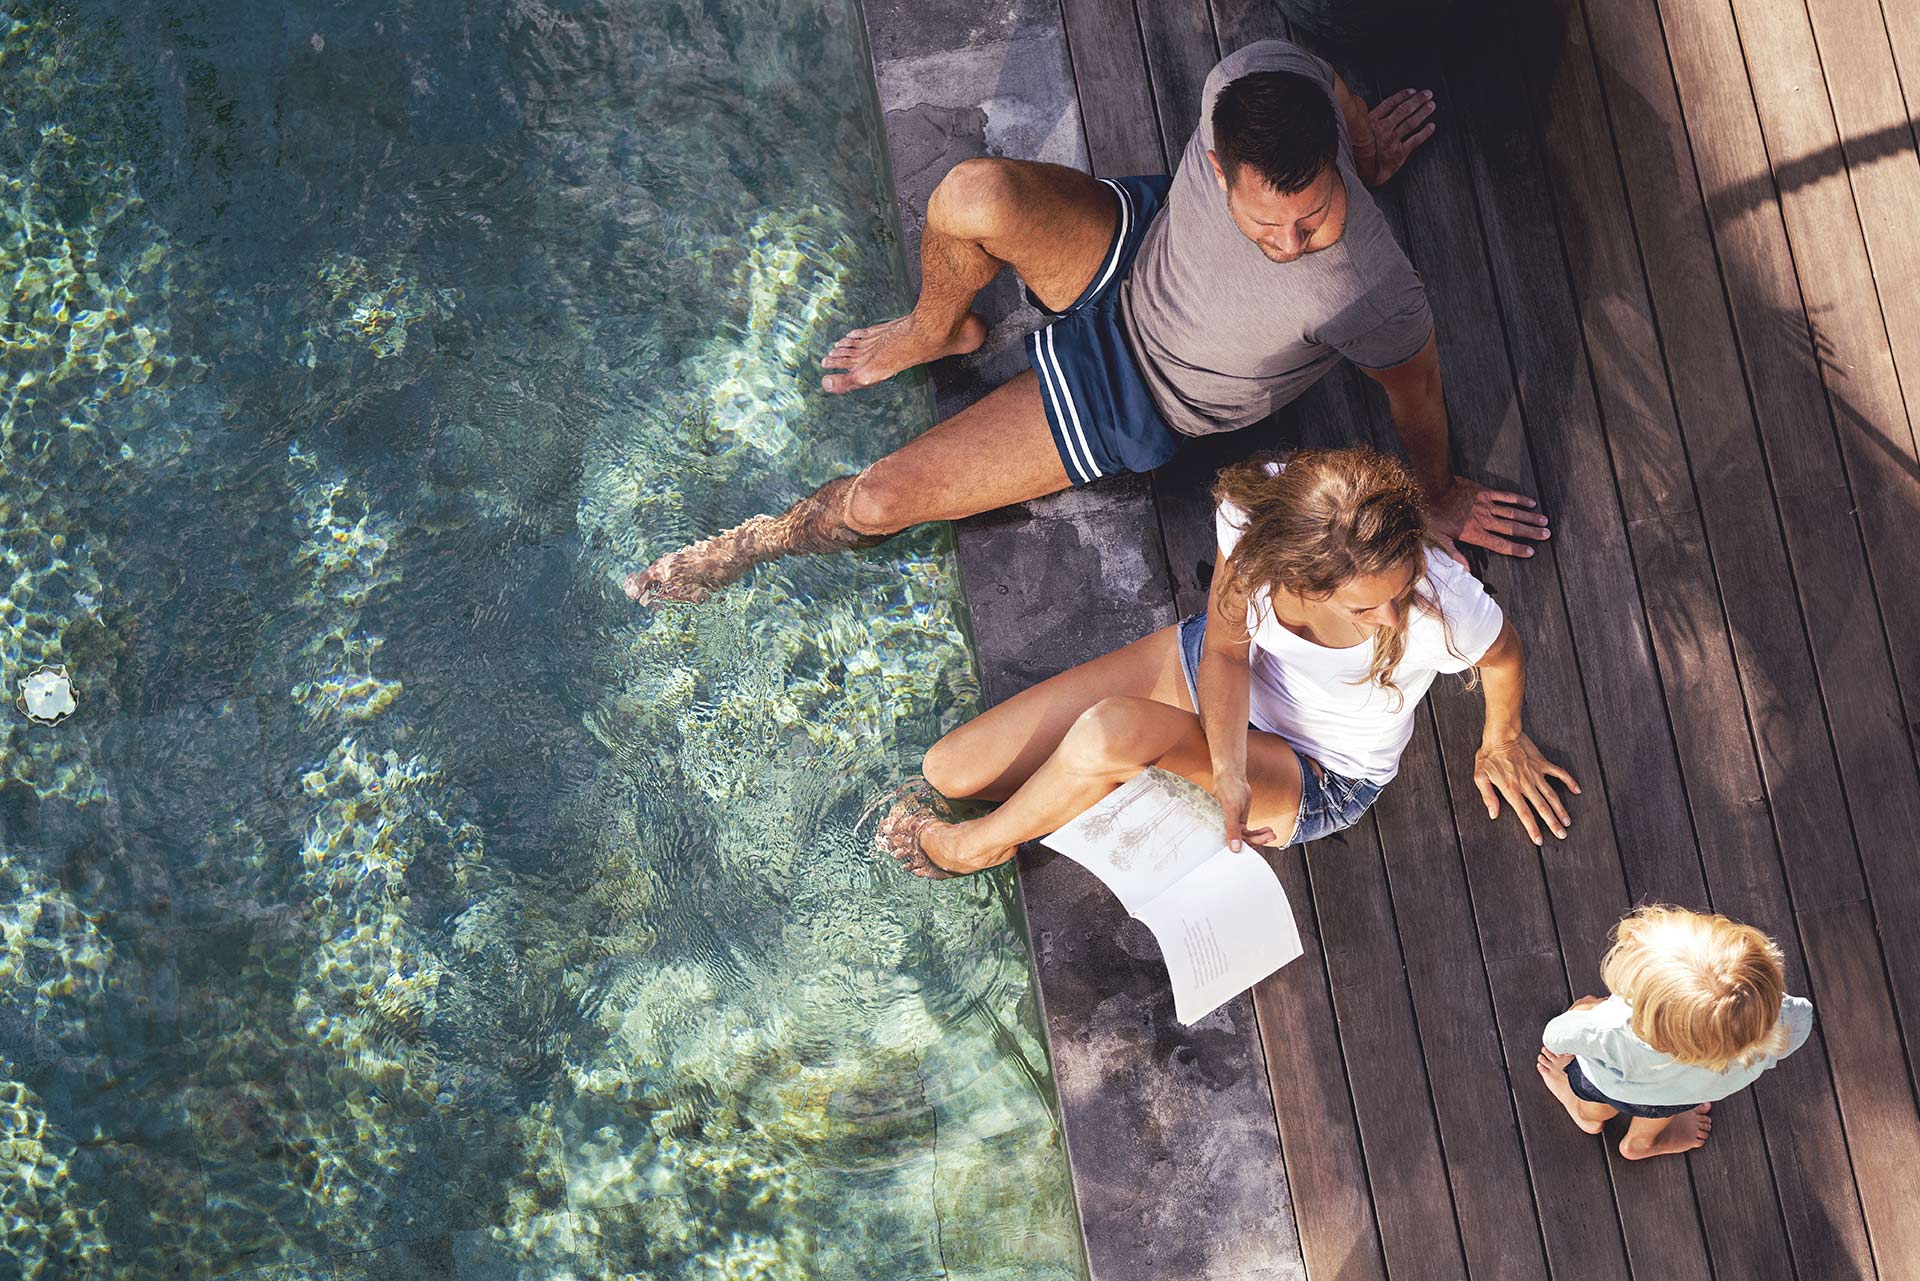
{"points": [[690, 575], [815, 524], [878, 352]]}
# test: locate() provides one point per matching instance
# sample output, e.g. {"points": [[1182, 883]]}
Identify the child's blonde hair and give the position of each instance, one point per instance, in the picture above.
{"points": [[1704, 990]]}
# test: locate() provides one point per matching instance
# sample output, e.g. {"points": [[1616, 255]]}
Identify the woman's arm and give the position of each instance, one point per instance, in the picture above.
{"points": [[1508, 764], [1223, 681]]}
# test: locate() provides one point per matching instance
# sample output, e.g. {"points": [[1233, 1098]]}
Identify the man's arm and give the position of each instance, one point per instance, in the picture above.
{"points": [[1462, 510], [1383, 138]]}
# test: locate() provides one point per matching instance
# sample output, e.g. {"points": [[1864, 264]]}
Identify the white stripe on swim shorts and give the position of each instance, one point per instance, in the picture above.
{"points": [[1059, 415], [1066, 394], [1119, 241]]}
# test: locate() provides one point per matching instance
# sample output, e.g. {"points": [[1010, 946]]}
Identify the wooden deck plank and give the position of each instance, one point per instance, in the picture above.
{"points": [[1696, 674], [1180, 48], [1509, 892], [1492, 1195], [1850, 993], [1238, 23], [1116, 95], [1817, 513], [1386, 1071], [1719, 427], [1855, 60], [1326, 1174], [1903, 33], [1836, 218], [1846, 226]]}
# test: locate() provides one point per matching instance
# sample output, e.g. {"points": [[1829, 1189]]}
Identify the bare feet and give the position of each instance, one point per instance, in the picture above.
{"points": [[693, 573], [1682, 1133], [1553, 1070], [878, 352], [815, 524], [902, 835]]}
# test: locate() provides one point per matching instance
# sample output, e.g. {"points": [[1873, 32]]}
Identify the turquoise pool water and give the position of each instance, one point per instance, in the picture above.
{"points": [[400, 901]]}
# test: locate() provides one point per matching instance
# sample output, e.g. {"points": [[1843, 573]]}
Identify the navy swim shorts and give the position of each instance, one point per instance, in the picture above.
{"points": [[1102, 417]]}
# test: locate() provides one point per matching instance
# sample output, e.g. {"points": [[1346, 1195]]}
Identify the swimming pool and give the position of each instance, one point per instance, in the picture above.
{"points": [[400, 900]]}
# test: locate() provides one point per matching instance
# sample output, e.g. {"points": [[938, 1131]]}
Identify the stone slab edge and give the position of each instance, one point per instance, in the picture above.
{"points": [[1170, 1131]]}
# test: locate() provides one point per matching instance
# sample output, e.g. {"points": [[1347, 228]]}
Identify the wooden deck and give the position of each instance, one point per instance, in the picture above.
{"points": [[1674, 251]]}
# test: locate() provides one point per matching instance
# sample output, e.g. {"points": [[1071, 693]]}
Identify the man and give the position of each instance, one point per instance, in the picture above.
{"points": [[1181, 306]]}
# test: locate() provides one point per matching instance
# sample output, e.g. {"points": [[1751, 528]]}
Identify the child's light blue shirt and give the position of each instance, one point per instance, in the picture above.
{"points": [[1622, 1066]]}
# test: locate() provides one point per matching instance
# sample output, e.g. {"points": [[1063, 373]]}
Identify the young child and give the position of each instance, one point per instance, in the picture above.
{"points": [[1698, 1011]]}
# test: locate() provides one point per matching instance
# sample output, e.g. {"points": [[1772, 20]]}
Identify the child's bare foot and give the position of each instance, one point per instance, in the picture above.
{"points": [[1682, 1133], [1553, 1070], [878, 352]]}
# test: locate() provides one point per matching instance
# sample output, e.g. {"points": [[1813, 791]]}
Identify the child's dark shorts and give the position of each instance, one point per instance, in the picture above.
{"points": [[1583, 1088]]}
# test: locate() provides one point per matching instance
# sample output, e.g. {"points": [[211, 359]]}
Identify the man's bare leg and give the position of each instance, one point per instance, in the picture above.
{"points": [[994, 452], [1051, 224]]}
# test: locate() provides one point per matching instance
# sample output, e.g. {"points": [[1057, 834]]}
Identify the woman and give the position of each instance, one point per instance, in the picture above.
{"points": [[1333, 607]]}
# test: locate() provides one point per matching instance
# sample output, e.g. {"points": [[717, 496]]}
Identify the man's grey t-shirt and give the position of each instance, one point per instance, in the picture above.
{"points": [[1224, 335]]}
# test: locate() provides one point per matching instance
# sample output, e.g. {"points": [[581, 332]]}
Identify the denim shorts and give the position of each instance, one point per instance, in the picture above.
{"points": [[1329, 802], [1585, 1089]]}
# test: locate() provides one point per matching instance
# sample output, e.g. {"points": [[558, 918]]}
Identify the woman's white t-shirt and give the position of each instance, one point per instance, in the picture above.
{"points": [[1321, 699]]}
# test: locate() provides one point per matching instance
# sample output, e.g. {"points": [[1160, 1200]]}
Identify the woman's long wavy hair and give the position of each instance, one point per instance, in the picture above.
{"points": [[1329, 516]]}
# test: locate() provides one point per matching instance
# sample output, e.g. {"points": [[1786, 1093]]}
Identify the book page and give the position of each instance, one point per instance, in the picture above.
{"points": [[1147, 834], [1222, 928]]}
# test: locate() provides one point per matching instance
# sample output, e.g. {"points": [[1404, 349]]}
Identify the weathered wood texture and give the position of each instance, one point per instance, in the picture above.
{"points": [[1671, 248]]}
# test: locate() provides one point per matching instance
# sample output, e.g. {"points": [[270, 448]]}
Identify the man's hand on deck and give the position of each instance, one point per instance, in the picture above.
{"points": [[1489, 518], [1400, 125]]}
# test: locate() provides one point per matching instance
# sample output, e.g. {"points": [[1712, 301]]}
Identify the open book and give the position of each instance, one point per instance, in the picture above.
{"points": [[1222, 919]]}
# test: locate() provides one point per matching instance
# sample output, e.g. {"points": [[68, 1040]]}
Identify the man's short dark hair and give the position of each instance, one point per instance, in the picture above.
{"points": [[1279, 124]]}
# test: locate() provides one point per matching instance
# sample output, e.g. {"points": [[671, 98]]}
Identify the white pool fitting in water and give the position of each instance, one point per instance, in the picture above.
{"points": [[47, 696]]}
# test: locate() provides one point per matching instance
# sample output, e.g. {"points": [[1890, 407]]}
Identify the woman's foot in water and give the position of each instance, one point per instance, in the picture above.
{"points": [[920, 835]]}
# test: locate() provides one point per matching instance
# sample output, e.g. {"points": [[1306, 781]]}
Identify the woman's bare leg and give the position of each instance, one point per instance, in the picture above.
{"points": [[1109, 743], [995, 752], [1051, 224]]}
